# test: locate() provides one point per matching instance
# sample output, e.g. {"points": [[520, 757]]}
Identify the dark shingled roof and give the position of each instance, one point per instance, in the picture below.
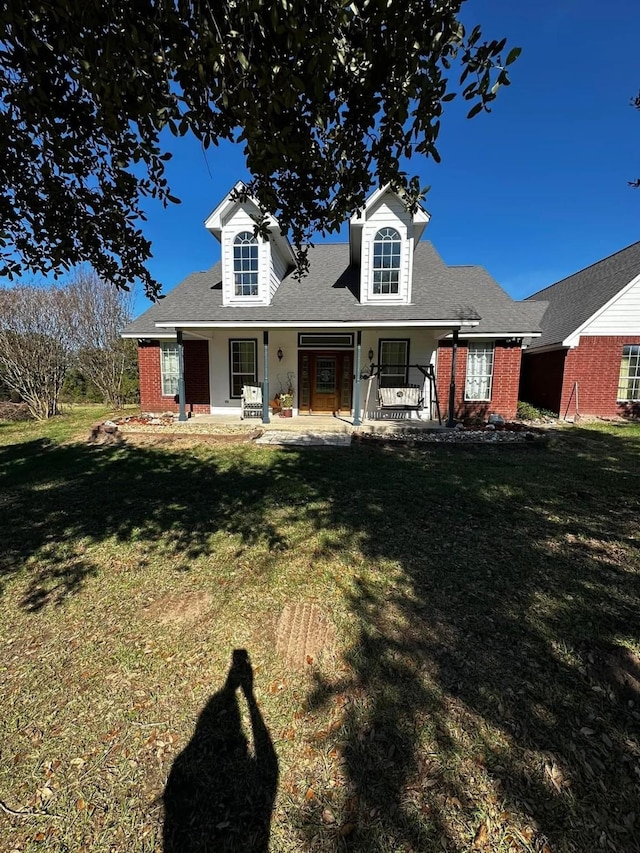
{"points": [[329, 293], [573, 300]]}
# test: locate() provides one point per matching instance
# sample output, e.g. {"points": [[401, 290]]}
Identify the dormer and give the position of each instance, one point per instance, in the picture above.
{"points": [[252, 267], [383, 237]]}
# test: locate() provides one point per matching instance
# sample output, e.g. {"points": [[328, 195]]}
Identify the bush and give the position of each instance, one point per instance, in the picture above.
{"points": [[14, 412], [529, 412]]}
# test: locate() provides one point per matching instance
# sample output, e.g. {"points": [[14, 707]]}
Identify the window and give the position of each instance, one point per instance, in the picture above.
{"points": [[629, 381], [243, 363], [479, 372], [245, 264], [393, 356], [170, 368], [324, 341], [386, 261]]}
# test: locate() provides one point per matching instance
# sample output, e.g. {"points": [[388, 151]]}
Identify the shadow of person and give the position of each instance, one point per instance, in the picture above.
{"points": [[219, 795]]}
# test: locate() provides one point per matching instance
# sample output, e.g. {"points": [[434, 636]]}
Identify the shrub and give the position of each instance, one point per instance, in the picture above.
{"points": [[529, 412], [14, 411]]}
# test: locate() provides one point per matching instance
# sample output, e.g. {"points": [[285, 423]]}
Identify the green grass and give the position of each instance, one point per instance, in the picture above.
{"points": [[486, 604]]}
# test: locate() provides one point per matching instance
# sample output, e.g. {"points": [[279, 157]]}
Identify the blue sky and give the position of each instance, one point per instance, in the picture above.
{"points": [[534, 191]]}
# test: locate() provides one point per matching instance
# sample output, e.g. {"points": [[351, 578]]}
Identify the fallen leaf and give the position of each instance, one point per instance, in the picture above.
{"points": [[45, 794], [482, 834], [328, 816], [310, 794], [346, 829]]}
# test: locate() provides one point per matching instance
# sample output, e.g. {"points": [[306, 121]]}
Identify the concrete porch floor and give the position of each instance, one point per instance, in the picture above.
{"points": [[317, 423]]}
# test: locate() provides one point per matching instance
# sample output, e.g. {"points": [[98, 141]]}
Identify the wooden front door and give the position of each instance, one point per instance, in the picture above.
{"points": [[325, 381]]}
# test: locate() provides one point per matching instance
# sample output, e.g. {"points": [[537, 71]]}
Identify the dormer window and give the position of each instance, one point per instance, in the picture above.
{"points": [[386, 262], [245, 264]]}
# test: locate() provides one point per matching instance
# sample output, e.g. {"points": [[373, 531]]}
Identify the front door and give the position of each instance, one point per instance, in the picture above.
{"points": [[326, 379]]}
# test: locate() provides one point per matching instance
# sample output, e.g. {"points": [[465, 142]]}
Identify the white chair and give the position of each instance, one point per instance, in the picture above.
{"points": [[251, 402]]}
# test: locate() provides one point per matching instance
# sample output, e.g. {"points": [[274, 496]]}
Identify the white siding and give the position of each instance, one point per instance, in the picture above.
{"points": [[240, 220], [389, 213], [621, 317], [277, 270], [285, 339], [423, 346]]}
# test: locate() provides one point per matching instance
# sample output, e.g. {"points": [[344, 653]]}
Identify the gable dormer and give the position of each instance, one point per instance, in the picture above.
{"points": [[383, 237], [252, 267]]}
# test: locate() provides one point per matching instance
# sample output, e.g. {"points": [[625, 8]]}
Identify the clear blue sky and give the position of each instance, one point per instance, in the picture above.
{"points": [[534, 191]]}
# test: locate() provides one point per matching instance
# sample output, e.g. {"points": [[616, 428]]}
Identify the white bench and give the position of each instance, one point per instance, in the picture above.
{"points": [[251, 402], [401, 397]]}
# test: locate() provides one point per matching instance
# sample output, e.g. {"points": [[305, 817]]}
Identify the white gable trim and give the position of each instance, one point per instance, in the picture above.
{"points": [[215, 221], [419, 221], [218, 218], [358, 218], [573, 339]]}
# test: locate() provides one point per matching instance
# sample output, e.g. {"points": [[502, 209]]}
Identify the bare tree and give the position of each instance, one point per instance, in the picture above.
{"points": [[100, 313], [35, 345]]}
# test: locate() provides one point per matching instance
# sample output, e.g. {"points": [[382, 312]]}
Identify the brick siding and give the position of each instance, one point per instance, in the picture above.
{"points": [[595, 365], [506, 379], [196, 377], [549, 378]]}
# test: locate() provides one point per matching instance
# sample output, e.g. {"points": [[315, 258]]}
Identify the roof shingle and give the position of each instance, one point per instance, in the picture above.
{"points": [[329, 294], [573, 300]]}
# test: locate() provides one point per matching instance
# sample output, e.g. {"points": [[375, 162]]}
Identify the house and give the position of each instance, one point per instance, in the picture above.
{"points": [[374, 317], [587, 359]]}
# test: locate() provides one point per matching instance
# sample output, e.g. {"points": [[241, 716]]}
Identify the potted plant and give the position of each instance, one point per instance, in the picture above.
{"points": [[287, 390], [286, 405]]}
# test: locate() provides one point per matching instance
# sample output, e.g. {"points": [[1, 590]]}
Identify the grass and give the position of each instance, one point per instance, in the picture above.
{"points": [[482, 693]]}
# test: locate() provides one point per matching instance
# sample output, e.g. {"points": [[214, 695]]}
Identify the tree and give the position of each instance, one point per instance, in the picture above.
{"points": [[322, 95], [100, 312], [35, 347]]}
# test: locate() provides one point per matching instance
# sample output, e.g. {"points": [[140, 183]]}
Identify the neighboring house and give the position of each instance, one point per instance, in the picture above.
{"points": [[384, 299], [587, 359]]}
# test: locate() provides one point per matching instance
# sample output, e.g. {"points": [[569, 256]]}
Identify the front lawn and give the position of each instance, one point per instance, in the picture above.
{"points": [[478, 686]]}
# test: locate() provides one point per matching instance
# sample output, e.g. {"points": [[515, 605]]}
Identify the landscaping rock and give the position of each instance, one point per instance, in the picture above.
{"points": [[104, 433]]}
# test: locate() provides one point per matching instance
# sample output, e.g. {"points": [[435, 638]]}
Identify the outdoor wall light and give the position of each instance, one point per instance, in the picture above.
{"points": [[280, 353], [370, 355]]}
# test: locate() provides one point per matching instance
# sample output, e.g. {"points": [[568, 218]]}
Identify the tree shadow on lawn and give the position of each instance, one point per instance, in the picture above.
{"points": [[56, 498], [489, 704], [485, 690]]}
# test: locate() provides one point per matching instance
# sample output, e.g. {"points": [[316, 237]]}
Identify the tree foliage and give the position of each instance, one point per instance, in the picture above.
{"points": [[35, 347], [322, 95], [100, 312], [46, 332]]}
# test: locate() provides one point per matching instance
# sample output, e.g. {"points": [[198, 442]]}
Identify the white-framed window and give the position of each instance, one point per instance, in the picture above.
{"points": [[479, 371], [169, 367], [629, 381], [243, 364], [393, 358], [245, 264], [386, 262]]}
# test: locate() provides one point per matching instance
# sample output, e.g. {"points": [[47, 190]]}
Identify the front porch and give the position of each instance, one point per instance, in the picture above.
{"points": [[313, 423]]}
